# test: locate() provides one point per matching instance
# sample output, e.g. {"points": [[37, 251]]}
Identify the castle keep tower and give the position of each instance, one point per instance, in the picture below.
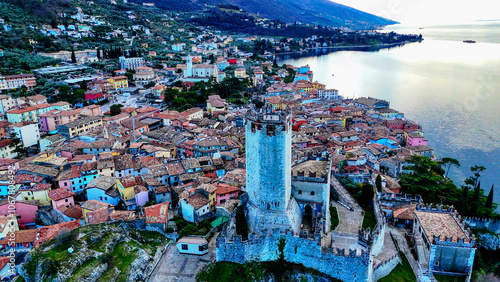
{"points": [[268, 164]]}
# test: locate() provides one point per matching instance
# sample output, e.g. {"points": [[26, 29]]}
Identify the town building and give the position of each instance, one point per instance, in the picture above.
{"points": [[131, 63], [79, 126], [16, 81]]}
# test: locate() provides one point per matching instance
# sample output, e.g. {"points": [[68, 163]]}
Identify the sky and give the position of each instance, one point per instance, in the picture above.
{"points": [[425, 12]]}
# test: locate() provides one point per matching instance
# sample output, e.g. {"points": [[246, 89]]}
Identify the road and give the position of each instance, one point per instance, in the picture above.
{"points": [[174, 266]]}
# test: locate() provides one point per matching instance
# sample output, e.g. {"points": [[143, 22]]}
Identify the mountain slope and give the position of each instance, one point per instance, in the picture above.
{"points": [[323, 12]]}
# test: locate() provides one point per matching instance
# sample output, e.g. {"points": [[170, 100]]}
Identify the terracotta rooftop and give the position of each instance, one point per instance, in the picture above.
{"points": [[60, 193], [407, 213], [37, 187], [47, 233], [24, 177], [224, 189], [157, 213], [98, 216], [94, 205], [440, 224], [72, 212], [197, 201], [22, 236]]}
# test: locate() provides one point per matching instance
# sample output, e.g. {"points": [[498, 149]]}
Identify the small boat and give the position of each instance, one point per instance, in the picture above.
{"points": [[469, 41], [420, 28]]}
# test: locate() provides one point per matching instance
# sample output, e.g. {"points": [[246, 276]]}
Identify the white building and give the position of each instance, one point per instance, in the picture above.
{"points": [[329, 94], [200, 72], [7, 103], [131, 63], [27, 131], [6, 151]]}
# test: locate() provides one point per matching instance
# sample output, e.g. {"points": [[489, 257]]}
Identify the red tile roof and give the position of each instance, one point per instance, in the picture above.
{"points": [[47, 233], [60, 193], [157, 213], [98, 216], [224, 189], [22, 236], [197, 201], [72, 212], [37, 187], [23, 177]]}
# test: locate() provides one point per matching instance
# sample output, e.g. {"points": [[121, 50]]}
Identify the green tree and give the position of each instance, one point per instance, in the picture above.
{"points": [[489, 200], [447, 164], [463, 202], [179, 102], [475, 199], [378, 183], [367, 193], [150, 84], [115, 110], [241, 223], [73, 57], [64, 92], [17, 144]]}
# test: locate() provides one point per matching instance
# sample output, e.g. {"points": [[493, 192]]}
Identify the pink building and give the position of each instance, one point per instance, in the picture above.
{"points": [[141, 195], [415, 139], [61, 197], [92, 110], [225, 192], [25, 209], [50, 120]]}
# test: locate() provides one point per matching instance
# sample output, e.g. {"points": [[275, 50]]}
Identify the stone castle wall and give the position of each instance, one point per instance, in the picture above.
{"points": [[383, 269], [335, 263]]}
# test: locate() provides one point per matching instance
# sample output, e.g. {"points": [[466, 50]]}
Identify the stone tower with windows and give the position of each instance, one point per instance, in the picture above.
{"points": [[268, 175]]}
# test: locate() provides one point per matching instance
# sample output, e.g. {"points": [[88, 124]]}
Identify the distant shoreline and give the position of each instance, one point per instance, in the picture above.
{"points": [[349, 48]]}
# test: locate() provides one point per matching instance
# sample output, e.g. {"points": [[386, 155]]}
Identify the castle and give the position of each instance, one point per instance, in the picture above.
{"points": [[288, 201]]}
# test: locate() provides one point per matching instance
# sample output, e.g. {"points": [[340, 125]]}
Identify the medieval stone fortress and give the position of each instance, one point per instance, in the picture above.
{"points": [[287, 211]]}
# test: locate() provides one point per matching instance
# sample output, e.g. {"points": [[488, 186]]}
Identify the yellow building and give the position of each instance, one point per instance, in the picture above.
{"points": [[126, 187], [38, 192], [106, 167], [93, 206], [79, 126], [212, 194], [118, 82], [7, 224]]}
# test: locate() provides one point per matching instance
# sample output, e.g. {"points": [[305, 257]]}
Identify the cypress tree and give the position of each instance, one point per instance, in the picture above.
{"points": [[73, 57], [475, 199], [489, 201], [241, 223], [378, 183], [464, 199]]}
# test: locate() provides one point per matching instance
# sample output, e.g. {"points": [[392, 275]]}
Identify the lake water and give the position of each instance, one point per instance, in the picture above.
{"points": [[451, 88]]}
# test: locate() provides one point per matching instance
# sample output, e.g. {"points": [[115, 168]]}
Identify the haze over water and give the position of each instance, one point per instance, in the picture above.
{"points": [[451, 88]]}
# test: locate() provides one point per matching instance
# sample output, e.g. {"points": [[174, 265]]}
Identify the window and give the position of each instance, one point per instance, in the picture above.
{"points": [[312, 193], [271, 130], [300, 192], [185, 247], [66, 200]]}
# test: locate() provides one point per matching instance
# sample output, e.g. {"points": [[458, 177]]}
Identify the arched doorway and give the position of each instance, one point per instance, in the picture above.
{"points": [[307, 217]]}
